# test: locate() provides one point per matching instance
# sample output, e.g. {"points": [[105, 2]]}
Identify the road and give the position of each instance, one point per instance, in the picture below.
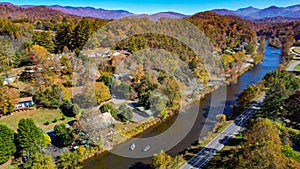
{"points": [[292, 67], [203, 156]]}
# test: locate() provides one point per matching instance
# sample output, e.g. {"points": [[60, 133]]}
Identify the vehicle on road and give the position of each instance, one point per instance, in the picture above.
{"points": [[146, 148], [132, 146]]}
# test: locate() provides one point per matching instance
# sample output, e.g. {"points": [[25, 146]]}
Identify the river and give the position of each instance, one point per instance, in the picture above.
{"points": [[201, 126]]}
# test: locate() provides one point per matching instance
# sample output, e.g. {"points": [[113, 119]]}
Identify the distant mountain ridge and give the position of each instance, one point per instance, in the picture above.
{"points": [[92, 12], [101, 13], [257, 14]]}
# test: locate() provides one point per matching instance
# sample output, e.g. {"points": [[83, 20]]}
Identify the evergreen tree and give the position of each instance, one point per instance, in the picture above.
{"points": [[64, 134], [30, 139], [7, 145]]}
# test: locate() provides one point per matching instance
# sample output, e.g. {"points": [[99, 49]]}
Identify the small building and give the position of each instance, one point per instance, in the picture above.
{"points": [[244, 44], [9, 80], [25, 103]]}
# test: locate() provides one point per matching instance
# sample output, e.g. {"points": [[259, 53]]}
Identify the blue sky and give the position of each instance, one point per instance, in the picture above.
{"points": [[152, 6]]}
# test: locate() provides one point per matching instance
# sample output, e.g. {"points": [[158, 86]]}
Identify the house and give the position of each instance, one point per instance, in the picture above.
{"points": [[8, 80], [25, 103]]}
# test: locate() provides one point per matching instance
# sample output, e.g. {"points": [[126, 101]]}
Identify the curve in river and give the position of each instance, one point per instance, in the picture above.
{"points": [[111, 161]]}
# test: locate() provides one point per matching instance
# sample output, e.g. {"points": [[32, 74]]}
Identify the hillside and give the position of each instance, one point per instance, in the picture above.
{"points": [[12, 12], [224, 31]]}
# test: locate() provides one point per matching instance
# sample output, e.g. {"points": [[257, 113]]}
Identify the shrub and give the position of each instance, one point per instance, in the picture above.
{"points": [[47, 123]]}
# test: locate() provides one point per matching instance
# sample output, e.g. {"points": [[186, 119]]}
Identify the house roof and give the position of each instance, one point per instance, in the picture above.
{"points": [[25, 99]]}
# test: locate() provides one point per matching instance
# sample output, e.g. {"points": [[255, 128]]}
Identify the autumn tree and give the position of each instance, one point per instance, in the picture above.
{"points": [[246, 97], [102, 92], [39, 55], [138, 73], [8, 100], [7, 143], [263, 148], [161, 160]]}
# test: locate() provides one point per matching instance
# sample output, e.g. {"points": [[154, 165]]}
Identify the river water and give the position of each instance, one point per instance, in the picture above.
{"points": [[226, 95]]}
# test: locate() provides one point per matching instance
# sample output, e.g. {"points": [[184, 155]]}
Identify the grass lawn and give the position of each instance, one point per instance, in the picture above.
{"points": [[297, 68], [40, 116], [297, 49]]}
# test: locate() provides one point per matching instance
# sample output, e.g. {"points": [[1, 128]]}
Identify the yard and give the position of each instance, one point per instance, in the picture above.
{"points": [[40, 116], [297, 68]]}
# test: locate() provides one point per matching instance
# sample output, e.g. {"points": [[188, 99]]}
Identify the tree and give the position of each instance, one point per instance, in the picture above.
{"points": [[39, 55], [157, 104], [122, 90], [292, 107], [7, 144], [107, 80], [221, 117], [65, 61], [263, 148], [161, 160], [107, 107], [81, 33], [47, 139], [245, 98], [1, 81], [30, 138], [8, 99], [64, 134], [6, 60], [126, 111], [102, 92], [44, 39], [52, 96], [138, 73], [40, 161], [281, 85], [68, 160], [69, 109], [64, 35]]}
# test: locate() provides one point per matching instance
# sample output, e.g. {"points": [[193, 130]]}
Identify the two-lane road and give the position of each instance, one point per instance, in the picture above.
{"points": [[203, 156]]}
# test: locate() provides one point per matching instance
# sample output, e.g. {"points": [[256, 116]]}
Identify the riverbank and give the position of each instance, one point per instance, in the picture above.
{"points": [[151, 123], [270, 62]]}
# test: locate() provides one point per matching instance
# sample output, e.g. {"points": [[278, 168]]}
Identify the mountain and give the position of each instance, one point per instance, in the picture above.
{"points": [[157, 16], [10, 11], [84, 12], [270, 12], [92, 12]]}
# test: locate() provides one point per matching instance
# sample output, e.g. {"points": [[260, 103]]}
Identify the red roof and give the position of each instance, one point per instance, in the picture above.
{"points": [[25, 99]]}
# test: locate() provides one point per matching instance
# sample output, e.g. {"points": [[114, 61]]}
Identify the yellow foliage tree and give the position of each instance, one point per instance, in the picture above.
{"points": [[8, 99], [161, 160], [102, 92]]}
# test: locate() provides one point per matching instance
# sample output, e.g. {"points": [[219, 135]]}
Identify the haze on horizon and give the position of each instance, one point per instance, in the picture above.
{"points": [[152, 6]]}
